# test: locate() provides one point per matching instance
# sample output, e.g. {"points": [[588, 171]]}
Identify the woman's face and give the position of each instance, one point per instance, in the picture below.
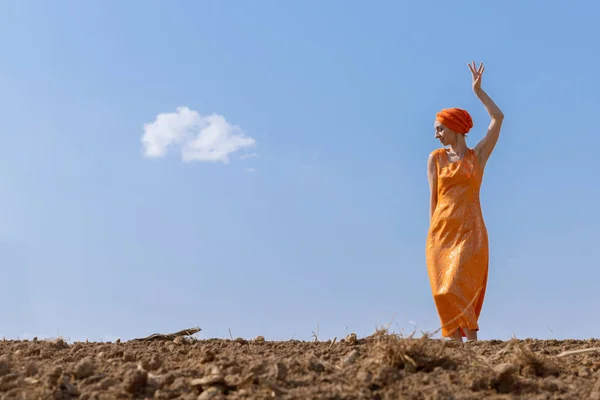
{"points": [[443, 134]]}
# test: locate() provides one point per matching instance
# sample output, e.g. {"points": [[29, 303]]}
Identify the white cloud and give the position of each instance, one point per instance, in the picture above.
{"points": [[249, 155], [250, 170], [198, 137]]}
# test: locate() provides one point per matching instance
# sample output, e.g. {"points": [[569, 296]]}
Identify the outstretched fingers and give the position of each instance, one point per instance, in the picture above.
{"points": [[481, 68], [476, 71]]}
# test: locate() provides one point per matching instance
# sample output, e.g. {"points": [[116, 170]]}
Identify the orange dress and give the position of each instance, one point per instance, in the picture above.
{"points": [[457, 251]]}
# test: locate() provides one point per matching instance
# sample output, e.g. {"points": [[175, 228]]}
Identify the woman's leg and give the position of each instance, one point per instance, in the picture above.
{"points": [[471, 334], [456, 336]]}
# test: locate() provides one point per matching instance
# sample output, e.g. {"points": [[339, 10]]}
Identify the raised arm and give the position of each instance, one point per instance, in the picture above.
{"points": [[432, 177], [484, 148]]}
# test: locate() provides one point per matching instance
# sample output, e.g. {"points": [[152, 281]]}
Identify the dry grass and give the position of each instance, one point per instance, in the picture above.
{"points": [[534, 364], [412, 355]]}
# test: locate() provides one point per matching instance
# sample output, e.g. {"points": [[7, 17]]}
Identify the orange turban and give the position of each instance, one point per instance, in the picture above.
{"points": [[456, 119]]}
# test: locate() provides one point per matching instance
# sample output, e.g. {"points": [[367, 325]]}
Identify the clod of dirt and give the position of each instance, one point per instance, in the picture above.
{"points": [[9, 381], [276, 390], [207, 356], [350, 358], [152, 364], [280, 370], [106, 384], [163, 395], [156, 381], [5, 365], [259, 339], [314, 364], [128, 357], [215, 377], [53, 376], [505, 380], [94, 379], [351, 339], [207, 381], [505, 369], [180, 340], [169, 378], [535, 364], [59, 343], [135, 380], [84, 368], [365, 377], [67, 387], [211, 393], [233, 370], [180, 384], [259, 367], [31, 381], [440, 394], [595, 393], [551, 384], [30, 369]]}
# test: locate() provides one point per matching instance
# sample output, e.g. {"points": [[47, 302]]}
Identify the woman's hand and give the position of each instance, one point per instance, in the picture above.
{"points": [[477, 74]]}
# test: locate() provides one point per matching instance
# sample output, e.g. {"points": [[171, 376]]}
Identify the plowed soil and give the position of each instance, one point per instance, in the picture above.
{"points": [[381, 366]]}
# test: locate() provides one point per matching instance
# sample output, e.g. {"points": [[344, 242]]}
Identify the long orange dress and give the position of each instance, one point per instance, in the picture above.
{"points": [[457, 251]]}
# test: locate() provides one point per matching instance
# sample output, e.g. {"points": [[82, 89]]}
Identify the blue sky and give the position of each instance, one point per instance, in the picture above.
{"points": [[327, 225]]}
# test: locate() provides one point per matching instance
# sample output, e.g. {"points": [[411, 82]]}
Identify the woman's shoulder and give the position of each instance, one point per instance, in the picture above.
{"points": [[435, 153]]}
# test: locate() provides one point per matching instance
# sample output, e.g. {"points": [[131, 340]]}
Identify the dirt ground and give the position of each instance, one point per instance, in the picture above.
{"points": [[381, 366]]}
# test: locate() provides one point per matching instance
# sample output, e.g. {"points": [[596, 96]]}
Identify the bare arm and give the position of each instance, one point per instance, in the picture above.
{"points": [[432, 177], [484, 148]]}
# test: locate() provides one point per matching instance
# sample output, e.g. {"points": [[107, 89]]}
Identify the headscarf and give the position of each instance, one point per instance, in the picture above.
{"points": [[456, 119]]}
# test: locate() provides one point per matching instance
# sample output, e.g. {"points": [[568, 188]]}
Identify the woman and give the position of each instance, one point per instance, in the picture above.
{"points": [[457, 242]]}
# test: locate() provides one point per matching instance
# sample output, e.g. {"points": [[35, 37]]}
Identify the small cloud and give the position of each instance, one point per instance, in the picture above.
{"points": [[198, 137], [249, 155], [250, 170]]}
